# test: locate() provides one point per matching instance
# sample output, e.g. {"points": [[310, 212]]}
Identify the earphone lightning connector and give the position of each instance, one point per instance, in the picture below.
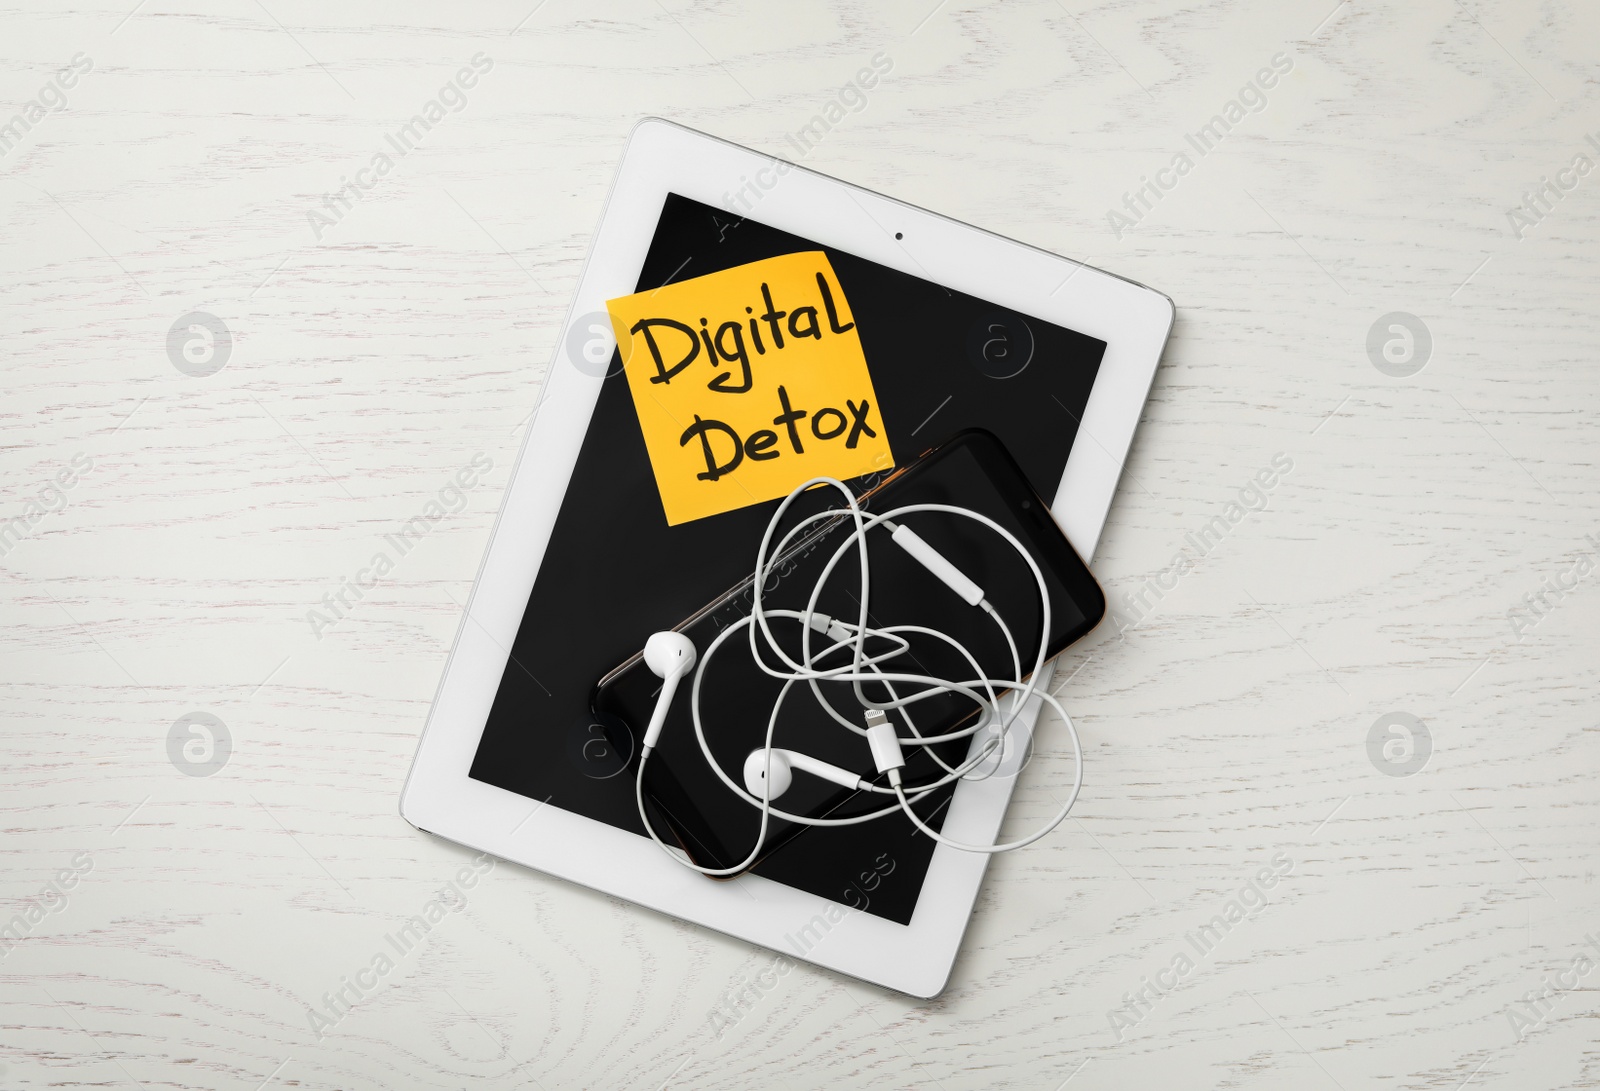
{"points": [[886, 753]]}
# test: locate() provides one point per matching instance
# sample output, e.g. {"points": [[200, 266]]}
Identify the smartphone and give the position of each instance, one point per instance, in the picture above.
{"points": [[686, 800]]}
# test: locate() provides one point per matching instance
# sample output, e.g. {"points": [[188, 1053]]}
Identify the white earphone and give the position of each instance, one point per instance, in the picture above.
{"points": [[780, 764], [670, 656], [769, 771]]}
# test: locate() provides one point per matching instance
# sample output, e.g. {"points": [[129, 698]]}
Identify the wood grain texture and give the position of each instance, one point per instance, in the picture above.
{"points": [[1228, 725]]}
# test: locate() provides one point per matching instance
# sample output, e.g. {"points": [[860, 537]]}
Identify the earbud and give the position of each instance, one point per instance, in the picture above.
{"points": [[784, 763], [670, 655]]}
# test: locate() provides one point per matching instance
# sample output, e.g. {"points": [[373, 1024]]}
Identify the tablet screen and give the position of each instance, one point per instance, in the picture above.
{"points": [[614, 570]]}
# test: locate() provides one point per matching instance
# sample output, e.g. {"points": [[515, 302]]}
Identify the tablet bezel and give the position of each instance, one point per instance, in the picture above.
{"points": [[661, 157]]}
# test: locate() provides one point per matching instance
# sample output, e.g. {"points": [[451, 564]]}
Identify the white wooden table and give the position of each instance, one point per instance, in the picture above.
{"points": [[376, 351]]}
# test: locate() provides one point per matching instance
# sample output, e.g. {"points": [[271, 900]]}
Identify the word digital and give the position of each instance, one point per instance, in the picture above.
{"points": [[748, 382]]}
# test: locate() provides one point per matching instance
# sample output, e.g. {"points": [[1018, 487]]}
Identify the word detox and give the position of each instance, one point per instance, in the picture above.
{"points": [[758, 445], [748, 382]]}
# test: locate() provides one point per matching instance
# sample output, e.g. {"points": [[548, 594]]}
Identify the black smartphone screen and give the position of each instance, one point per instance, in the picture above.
{"points": [[717, 828]]}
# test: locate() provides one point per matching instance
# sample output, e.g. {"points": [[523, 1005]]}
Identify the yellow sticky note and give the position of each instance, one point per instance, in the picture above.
{"points": [[748, 382]]}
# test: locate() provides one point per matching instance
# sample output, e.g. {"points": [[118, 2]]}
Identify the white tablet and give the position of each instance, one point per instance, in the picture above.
{"points": [[960, 329]]}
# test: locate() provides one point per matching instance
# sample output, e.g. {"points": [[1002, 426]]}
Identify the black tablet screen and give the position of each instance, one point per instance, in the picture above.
{"points": [[941, 361]]}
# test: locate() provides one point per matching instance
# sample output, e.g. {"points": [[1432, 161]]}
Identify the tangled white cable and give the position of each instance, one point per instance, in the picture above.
{"points": [[767, 771]]}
